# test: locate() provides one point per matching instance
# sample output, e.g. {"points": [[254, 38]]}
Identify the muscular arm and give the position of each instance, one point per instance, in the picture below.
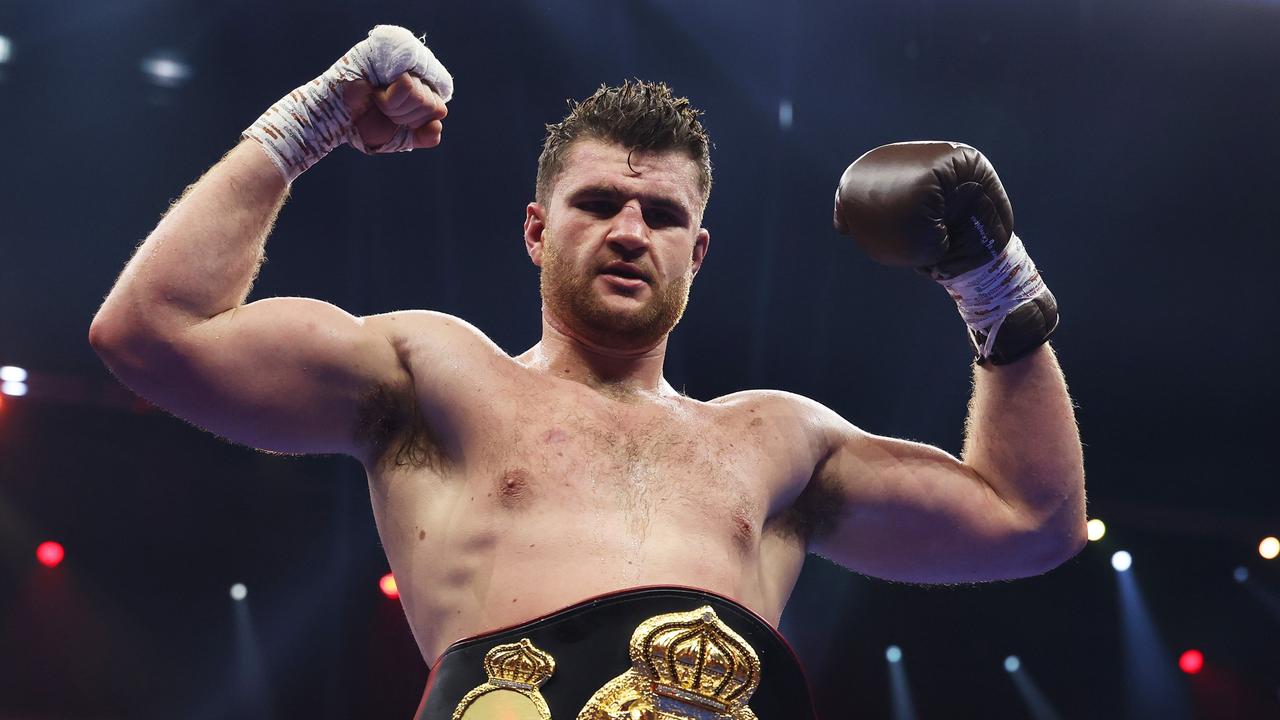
{"points": [[284, 374], [1023, 441], [1012, 506]]}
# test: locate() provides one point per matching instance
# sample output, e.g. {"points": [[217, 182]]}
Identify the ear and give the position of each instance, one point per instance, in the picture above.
{"points": [[700, 245], [535, 223]]}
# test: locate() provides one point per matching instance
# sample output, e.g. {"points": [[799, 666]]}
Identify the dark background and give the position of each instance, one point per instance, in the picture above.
{"points": [[1137, 141]]}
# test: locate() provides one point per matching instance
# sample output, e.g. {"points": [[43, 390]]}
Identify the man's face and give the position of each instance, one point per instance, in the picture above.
{"points": [[619, 245]]}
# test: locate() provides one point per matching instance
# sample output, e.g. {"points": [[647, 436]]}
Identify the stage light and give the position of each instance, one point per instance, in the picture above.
{"points": [[6, 50], [50, 553], [1241, 574], [388, 586], [13, 373], [1269, 548], [1121, 561], [166, 70], [1096, 529], [786, 114], [239, 591], [1012, 663], [1191, 662], [16, 389], [893, 654]]}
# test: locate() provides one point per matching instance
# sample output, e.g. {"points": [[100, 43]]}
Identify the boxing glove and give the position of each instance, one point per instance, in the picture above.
{"points": [[939, 207]]}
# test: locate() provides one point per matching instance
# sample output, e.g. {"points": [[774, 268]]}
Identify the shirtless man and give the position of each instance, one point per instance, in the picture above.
{"points": [[507, 489]]}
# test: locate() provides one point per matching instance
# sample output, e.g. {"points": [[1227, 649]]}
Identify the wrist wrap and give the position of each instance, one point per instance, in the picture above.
{"points": [[989, 294], [311, 121]]}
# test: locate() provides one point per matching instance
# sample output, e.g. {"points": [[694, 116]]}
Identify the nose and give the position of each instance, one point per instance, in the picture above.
{"points": [[628, 233]]}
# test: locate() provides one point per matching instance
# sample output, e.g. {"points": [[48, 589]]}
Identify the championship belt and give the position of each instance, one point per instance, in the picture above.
{"points": [[659, 653]]}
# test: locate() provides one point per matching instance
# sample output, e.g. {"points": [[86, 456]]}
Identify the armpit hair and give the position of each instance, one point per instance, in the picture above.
{"points": [[390, 424], [815, 514]]}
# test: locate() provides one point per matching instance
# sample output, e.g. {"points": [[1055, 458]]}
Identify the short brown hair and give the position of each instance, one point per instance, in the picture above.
{"points": [[637, 115]]}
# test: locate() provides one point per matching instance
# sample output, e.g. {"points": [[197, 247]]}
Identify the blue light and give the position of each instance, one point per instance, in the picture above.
{"points": [[1121, 561]]}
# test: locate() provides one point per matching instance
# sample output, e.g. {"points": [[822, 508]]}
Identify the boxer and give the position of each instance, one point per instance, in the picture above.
{"points": [[571, 536]]}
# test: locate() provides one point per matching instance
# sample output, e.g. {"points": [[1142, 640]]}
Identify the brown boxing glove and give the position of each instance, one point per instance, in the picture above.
{"points": [[939, 207]]}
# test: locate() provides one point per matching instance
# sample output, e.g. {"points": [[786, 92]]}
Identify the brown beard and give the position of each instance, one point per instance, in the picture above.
{"points": [[569, 296]]}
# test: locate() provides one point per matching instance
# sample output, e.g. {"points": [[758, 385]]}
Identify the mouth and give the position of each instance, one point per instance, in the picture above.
{"points": [[625, 271]]}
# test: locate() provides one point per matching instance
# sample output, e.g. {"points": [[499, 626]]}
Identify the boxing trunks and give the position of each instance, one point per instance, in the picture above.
{"points": [[657, 653]]}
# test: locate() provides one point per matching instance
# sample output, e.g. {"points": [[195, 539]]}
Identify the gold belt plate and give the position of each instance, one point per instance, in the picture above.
{"points": [[684, 666]]}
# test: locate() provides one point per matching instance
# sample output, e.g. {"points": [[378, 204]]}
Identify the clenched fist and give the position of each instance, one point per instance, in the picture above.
{"points": [[386, 94], [409, 102]]}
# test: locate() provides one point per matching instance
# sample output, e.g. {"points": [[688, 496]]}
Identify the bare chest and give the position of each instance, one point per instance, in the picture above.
{"points": [[633, 468], [558, 482]]}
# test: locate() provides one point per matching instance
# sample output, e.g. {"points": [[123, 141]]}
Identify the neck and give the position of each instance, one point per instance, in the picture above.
{"points": [[568, 355]]}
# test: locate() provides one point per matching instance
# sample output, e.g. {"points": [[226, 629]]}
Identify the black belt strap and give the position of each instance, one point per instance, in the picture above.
{"points": [[589, 642]]}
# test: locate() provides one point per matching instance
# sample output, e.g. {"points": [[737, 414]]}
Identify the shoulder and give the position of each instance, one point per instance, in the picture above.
{"points": [[782, 406], [428, 342], [788, 421], [412, 326]]}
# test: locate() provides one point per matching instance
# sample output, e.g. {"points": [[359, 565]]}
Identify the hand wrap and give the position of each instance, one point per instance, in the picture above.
{"points": [[311, 121], [986, 295]]}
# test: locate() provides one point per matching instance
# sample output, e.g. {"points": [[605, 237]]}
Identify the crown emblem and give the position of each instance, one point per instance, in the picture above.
{"points": [[515, 671], [683, 665], [695, 658], [519, 665]]}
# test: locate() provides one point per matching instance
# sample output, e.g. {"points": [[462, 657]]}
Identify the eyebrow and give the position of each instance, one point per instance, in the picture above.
{"points": [[613, 192]]}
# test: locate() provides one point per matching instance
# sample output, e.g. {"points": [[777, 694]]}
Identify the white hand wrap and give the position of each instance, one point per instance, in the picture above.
{"points": [[311, 121], [986, 295]]}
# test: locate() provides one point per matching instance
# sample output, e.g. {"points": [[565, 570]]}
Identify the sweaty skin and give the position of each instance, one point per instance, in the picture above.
{"points": [[506, 487]]}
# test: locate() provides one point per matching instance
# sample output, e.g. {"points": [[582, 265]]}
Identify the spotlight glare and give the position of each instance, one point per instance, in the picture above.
{"points": [[13, 373], [1096, 529], [1241, 574], [1012, 663], [388, 586], [166, 70], [50, 553], [239, 591], [1191, 662], [16, 389], [1269, 548], [1121, 561], [893, 654], [786, 114], [6, 50]]}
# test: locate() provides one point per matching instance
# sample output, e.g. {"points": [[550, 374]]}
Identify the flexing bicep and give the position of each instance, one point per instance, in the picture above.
{"points": [[282, 374], [902, 510]]}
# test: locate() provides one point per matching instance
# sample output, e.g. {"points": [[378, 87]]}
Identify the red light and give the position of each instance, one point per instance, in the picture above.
{"points": [[1191, 661], [388, 585], [49, 553]]}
